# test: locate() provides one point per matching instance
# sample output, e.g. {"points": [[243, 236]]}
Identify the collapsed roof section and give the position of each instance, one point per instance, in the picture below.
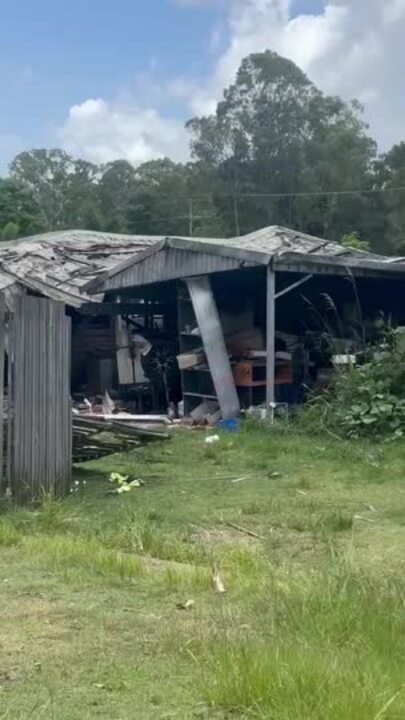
{"points": [[70, 265], [59, 265], [282, 248]]}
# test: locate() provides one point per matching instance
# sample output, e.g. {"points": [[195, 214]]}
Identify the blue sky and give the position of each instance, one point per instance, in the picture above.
{"points": [[55, 54], [151, 64]]}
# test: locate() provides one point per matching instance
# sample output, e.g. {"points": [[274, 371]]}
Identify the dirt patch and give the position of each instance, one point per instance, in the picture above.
{"points": [[7, 677], [27, 606], [32, 622]]}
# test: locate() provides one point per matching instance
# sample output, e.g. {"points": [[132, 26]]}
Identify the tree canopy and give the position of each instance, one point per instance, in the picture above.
{"points": [[276, 151]]}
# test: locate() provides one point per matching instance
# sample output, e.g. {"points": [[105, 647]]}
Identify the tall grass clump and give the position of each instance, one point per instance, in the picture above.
{"points": [[48, 517], [9, 534], [143, 536], [86, 556], [329, 647]]}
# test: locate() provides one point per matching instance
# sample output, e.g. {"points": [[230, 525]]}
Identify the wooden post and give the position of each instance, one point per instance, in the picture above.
{"points": [[270, 342]]}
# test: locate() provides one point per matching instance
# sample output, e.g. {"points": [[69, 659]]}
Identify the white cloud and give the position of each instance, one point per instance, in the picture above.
{"points": [[353, 48], [103, 132], [393, 10]]}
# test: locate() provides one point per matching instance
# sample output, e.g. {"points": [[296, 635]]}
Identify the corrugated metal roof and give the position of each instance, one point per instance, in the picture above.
{"points": [[62, 265], [285, 248]]}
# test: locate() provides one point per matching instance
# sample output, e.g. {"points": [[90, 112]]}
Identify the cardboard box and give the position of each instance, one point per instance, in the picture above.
{"points": [[189, 360]]}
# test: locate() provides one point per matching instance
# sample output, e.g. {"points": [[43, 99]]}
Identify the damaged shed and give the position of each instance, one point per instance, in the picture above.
{"points": [[152, 324], [260, 318]]}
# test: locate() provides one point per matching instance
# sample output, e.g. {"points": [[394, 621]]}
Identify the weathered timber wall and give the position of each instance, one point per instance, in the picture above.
{"points": [[39, 439]]}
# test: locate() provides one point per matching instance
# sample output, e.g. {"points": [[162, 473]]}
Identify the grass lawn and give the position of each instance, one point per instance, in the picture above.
{"points": [[109, 608]]}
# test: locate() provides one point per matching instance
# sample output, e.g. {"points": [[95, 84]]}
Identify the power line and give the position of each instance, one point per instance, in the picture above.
{"points": [[172, 217], [279, 195], [235, 197], [319, 193]]}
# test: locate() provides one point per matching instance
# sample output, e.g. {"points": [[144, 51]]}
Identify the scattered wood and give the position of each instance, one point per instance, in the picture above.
{"points": [[371, 508], [360, 517], [241, 529], [95, 436], [130, 418]]}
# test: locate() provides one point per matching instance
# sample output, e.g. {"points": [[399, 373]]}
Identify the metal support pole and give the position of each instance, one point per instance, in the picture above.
{"points": [[270, 342], [209, 322], [190, 218]]}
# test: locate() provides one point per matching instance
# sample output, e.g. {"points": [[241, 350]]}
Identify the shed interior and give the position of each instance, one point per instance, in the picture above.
{"points": [[320, 323]]}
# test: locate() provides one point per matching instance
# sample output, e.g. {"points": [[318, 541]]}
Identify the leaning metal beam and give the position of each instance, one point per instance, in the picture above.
{"points": [[206, 312]]}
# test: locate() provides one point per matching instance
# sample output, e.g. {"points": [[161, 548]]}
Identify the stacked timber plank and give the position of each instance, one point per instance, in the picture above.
{"points": [[95, 436]]}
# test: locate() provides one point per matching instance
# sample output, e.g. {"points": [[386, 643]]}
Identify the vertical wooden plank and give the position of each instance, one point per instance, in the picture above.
{"points": [[57, 340], [68, 403], [41, 413], [22, 417], [270, 342], [10, 398], [2, 350], [29, 399], [17, 370], [49, 410]]}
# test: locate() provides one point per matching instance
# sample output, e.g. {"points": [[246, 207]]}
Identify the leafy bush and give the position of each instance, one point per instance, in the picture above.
{"points": [[368, 399]]}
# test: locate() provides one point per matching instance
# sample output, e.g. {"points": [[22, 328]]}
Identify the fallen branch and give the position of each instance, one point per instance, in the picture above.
{"points": [[241, 529]]}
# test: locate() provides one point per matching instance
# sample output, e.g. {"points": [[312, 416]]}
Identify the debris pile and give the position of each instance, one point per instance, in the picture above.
{"points": [[98, 435]]}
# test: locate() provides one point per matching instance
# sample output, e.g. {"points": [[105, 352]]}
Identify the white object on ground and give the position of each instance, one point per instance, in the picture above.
{"points": [[212, 439]]}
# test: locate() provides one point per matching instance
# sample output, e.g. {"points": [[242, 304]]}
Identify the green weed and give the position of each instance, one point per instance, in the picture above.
{"points": [[65, 553], [9, 535]]}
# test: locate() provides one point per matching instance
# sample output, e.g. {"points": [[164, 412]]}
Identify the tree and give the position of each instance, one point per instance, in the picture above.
{"points": [[10, 231], [352, 240], [115, 192], [83, 208], [160, 202], [275, 136], [45, 172], [20, 214], [390, 174], [65, 189]]}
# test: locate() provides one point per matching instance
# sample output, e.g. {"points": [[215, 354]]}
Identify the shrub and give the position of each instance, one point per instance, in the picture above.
{"points": [[368, 400]]}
